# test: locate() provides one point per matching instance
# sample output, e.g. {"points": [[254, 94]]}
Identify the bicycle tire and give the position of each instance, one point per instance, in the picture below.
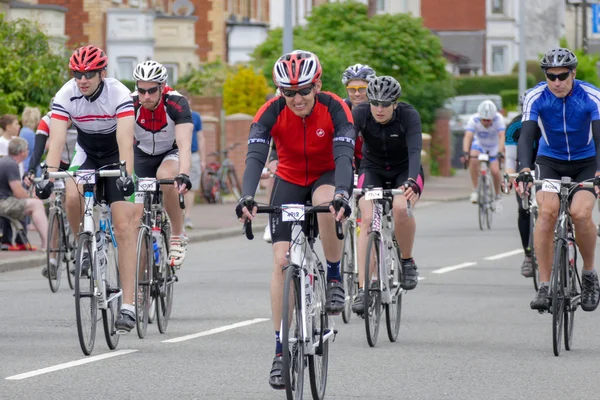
{"points": [[534, 264], [347, 263], [490, 198], [372, 292], [393, 311], [56, 253], [71, 252], [481, 202], [164, 302], [233, 184], [574, 289], [558, 302], [143, 281], [113, 286], [319, 362], [293, 351], [84, 289]]}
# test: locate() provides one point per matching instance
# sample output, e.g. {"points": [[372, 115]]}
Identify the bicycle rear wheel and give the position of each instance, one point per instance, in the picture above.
{"points": [[233, 184], [558, 293], [393, 311], [143, 281], [86, 308], [573, 293], [348, 271], [372, 291], [165, 278], [318, 363], [291, 335], [114, 295], [55, 250]]}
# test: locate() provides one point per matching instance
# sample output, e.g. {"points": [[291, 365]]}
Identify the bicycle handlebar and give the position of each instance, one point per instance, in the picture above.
{"points": [[170, 182], [386, 192], [247, 229]]}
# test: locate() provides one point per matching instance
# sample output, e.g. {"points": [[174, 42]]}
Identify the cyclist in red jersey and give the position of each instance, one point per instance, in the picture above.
{"points": [[314, 135]]}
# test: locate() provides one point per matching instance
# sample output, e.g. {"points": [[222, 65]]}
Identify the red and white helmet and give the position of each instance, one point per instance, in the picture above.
{"points": [[88, 58], [297, 68]]}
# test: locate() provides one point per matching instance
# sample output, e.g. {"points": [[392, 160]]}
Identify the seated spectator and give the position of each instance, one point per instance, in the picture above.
{"points": [[14, 199]]}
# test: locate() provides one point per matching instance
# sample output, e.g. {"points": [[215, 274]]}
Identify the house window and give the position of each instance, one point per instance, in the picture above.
{"points": [[498, 59], [125, 67], [497, 6], [380, 5], [172, 71]]}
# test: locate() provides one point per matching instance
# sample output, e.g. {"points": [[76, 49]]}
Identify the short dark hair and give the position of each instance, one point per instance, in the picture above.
{"points": [[6, 120]]}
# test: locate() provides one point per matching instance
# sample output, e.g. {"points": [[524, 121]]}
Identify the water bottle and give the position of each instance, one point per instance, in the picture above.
{"points": [[156, 238], [571, 245], [101, 252]]}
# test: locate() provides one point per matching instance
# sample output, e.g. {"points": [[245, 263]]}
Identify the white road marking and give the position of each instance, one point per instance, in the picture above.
{"points": [[69, 364], [453, 267], [504, 255], [215, 330]]}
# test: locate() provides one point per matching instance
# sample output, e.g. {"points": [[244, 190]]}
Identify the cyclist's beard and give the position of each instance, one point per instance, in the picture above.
{"points": [[150, 105]]}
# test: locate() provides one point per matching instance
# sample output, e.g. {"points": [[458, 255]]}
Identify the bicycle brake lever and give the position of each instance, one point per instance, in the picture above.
{"points": [[247, 229]]}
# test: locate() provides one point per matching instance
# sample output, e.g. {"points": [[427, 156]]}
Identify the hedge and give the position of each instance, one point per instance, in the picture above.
{"points": [[489, 84], [510, 98]]}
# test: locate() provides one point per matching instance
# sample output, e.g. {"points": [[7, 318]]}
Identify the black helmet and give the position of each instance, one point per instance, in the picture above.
{"points": [[358, 71], [559, 57], [384, 88]]}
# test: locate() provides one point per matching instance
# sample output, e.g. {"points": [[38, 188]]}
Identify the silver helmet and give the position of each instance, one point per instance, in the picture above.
{"points": [[559, 57], [384, 88], [358, 71]]}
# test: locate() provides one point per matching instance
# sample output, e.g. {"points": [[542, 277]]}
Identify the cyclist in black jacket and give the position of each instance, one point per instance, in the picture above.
{"points": [[392, 136]]}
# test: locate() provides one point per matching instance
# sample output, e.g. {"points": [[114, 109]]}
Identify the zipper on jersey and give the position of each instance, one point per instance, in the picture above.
{"points": [[565, 127], [152, 133], [387, 164], [305, 153]]}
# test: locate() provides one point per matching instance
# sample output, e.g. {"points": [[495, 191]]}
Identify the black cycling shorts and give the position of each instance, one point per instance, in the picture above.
{"points": [[370, 177], [288, 193], [146, 165], [578, 170]]}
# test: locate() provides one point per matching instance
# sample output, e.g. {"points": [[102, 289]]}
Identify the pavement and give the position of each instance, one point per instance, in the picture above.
{"points": [[467, 332], [218, 221]]}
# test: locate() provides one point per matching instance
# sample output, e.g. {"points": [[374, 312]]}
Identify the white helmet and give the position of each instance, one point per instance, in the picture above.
{"points": [[487, 109], [150, 71]]}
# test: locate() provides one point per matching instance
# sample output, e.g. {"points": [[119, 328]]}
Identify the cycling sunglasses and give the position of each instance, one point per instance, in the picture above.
{"points": [[152, 90], [88, 75], [560, 77], [384, 104], [354, 89], [302, 92]]}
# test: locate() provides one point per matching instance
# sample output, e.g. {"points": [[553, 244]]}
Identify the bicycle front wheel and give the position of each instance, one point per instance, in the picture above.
{"points": [[114, 295], [55, 250], [393, 310], [347, 263], [291, 335], [558, 293], [372, 289], [573, 293], [490, 198], [165, 278], [86, 308], [143, 281], [318, 363], [481, 202]]}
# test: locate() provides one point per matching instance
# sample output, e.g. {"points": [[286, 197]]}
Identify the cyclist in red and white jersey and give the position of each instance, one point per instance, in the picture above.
{"points": [[101, 109], [163, 143], [314, 135]]}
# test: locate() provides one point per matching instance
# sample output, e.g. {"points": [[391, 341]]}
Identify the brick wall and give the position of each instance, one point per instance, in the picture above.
{"points": [[237, 127], [453, 15], [75, 19]]}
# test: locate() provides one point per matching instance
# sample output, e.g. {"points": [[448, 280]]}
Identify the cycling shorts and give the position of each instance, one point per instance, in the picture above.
{"points": [[577, 170], [387, 179], [146, 165]]}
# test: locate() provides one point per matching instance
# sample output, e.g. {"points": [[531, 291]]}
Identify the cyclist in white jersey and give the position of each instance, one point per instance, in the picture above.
{"points": [[101, 109], [163, 144], [484, 133]]}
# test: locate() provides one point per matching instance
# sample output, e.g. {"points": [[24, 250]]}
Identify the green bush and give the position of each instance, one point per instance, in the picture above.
{"points": [[207, 80], [244, 91], [130, 84], [489, 84], [510, 98], [532, 67]]}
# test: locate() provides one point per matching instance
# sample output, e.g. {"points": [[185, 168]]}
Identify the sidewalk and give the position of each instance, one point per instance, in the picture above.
{"points": [[217, 221]]}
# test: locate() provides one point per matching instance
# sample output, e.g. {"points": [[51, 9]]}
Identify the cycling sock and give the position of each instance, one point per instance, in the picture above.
{"points": [[128, 307], [407, 260], [590, 273], [278, 346], [333, 271], [544, 284]]}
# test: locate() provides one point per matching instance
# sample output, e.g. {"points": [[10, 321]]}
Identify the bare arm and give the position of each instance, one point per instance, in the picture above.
{"points": [[125, 141], [183, 137], [501, 139], [17, 189], [58, 137], [202, 146], [467, 141]]}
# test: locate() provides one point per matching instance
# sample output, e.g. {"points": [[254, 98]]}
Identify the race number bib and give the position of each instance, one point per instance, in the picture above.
{"points": [[146, 184], [551, 185], [292, 212], [374, 194]]}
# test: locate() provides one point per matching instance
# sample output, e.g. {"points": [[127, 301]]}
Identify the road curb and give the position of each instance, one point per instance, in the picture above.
{"points": [[34, 261]]}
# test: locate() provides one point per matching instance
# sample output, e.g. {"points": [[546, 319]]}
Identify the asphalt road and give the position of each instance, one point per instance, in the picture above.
{"points": [[467, 332]]}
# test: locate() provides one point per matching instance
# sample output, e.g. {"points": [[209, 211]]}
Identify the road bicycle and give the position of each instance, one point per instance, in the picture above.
{"points": [[485, 192], [348, 262], [221, 178]]}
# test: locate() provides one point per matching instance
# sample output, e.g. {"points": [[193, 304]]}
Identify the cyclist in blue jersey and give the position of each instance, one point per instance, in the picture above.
{"points": [[567, 111], [513, 132]]}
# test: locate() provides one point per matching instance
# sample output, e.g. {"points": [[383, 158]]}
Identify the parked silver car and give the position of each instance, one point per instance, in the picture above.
{"points": [[465, 106]]}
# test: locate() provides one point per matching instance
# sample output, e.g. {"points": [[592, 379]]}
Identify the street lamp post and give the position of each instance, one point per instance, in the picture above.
{"points": [[288, 29]]}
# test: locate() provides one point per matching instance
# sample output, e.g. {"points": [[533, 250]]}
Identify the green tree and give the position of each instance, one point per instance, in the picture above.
{"points": [[341, 34], [207, 80], [244, 91], [30, 72]]}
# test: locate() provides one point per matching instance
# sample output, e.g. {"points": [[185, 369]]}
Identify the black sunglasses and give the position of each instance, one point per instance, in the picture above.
{"points": [[302, 92], [88, 75], [384, 104], [152, 90], [561, 77]]}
